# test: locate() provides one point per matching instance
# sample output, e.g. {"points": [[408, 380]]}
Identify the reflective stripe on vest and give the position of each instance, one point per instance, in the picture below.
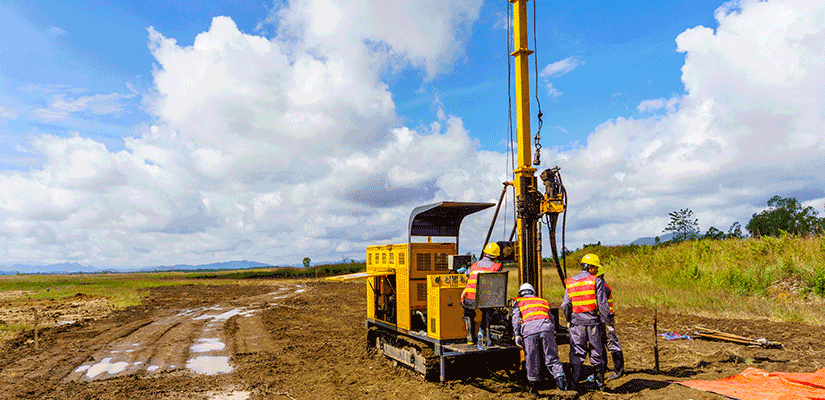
{"points": [[533, 308], [582, 293], [610, 298], [470, 290]]}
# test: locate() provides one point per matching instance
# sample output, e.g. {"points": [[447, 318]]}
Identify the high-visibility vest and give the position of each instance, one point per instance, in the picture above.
{"points": [[469, 292], [533, 308], [582, 293], [610, 298]]}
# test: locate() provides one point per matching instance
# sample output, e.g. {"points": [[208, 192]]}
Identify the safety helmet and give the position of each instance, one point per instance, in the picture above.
{"points": [[526, 288], [591, 259], [492, 249], [600, 272]]}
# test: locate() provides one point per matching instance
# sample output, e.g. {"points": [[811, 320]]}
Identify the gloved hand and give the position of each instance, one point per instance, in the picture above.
{"points": [[610, 328], [520, 342], [462, 270]]}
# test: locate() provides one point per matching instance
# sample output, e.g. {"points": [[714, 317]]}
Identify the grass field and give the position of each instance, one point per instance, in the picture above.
{"points": [[778, 278]]}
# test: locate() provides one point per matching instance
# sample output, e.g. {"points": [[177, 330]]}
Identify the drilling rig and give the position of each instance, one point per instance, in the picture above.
{"points": [[414, 312]]}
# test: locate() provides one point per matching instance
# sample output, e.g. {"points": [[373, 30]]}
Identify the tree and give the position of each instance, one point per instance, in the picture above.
{"points": [[735, 231], [306, 262], [714, 234], [785, 215], [683, 226]]}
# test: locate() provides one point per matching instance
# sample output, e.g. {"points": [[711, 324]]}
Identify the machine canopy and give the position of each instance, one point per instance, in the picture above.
{"points": [[442, 219]]}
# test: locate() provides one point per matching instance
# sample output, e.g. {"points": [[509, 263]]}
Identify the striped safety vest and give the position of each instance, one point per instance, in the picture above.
{"points": [[469, 292], [582, 293], [610, 298], [533, 308]]}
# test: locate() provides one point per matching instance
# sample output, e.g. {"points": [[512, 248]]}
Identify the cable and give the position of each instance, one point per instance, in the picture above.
{"points": [[537, 139]]}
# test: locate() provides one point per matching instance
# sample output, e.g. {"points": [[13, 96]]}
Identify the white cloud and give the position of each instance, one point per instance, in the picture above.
{"points": [[60, 107], [277, 149], [8, 113], [55, 31], [559, 68], [552, 91], [657, 104], [750, 126], [266, 149]]}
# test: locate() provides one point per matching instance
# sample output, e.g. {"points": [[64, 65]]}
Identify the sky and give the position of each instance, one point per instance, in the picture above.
{"points": [[139, 133]]}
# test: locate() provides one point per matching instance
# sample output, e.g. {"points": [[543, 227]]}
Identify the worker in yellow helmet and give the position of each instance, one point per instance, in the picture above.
{"points": [[585, 307], [612, 340], [487, 263]]}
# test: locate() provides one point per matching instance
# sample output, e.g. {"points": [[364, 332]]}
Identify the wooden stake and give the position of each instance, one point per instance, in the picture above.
{"points": [[36, 336], [655, 344]]}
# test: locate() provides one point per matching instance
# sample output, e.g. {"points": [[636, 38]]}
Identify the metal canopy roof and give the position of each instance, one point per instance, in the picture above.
{"points": [[442, 219]]}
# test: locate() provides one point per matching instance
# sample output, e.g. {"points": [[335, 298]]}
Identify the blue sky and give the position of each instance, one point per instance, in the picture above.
{"points": [[142, 133]]}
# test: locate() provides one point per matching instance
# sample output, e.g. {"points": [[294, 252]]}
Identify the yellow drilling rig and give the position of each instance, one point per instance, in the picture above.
{"points": [[414, 311]]}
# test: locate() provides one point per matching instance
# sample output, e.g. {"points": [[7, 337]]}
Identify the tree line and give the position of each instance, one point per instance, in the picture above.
{"points": [[783, 215]]}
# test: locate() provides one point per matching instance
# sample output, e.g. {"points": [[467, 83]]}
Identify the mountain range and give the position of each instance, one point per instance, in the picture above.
{"points": [[76, 268]]}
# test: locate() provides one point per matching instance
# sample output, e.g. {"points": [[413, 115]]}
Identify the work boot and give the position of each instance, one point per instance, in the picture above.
{"points": [[598, 377], [574, 378], [618, 365], [532, 388], [470, 325], [561, 383]]}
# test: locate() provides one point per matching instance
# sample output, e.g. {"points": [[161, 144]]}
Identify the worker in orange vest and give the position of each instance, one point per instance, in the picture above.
{"points": [[535, 332], [487, 263], [612, 340], [585, 307]]}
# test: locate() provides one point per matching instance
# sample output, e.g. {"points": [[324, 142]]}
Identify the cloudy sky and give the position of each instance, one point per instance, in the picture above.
{"points": [[137, 133]]}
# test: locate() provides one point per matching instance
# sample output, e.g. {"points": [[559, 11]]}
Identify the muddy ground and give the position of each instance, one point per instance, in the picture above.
{"points": [[306, 340]]}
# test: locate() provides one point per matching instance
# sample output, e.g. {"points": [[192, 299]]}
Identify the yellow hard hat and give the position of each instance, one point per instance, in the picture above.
{"points": [[600, 272], [592, 259], [492, 249]]}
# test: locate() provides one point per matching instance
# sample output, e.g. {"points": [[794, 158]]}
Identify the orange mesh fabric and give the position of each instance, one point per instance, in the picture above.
{"points": [[753, 383]]}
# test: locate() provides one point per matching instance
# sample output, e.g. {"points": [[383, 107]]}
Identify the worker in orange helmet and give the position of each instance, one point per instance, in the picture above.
{"points": [[585, 306], [487, 263]]}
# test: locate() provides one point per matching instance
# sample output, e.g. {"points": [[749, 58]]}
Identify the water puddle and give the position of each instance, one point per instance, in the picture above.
{"points": [[209, 344], [210, 365], [105, 365], [221, 317]]}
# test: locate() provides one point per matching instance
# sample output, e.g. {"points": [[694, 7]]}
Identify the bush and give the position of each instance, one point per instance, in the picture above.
{"points": [[819, 281]]}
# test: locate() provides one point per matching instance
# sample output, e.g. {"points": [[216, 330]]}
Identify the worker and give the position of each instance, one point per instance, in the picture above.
{"points": [[468, 296], [612, 340], [535, 332], [585, 307]]}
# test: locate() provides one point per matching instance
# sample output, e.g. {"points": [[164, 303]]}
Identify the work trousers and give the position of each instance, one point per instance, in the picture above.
{"points": [[613, 342], [580, 337], [486, 314], [540, 346]]}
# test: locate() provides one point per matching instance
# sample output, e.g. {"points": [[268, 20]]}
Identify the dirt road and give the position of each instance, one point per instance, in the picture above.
{"points": [[305, 340]]}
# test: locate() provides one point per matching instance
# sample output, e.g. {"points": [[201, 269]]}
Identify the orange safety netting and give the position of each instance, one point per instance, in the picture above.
{"points": [[753, 383]]}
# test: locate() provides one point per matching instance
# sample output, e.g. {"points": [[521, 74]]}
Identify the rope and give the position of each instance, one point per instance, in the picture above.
{"points": [[537, 139]]}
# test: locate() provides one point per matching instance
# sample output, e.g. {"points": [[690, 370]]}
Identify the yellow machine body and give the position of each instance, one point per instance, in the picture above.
{"points": [[411, 264], [444, 311]]}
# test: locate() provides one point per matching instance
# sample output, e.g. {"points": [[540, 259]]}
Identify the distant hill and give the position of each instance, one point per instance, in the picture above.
{"points": [[218, 265], [76, 268], [63, 268], [650, 241]]}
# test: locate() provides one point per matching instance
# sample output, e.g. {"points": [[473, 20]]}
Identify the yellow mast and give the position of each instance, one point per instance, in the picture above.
{"points": [[528, 199]]}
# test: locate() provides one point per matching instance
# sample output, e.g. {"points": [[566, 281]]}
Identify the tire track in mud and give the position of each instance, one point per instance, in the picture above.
{"points": [[201, 340], [196, 340]]}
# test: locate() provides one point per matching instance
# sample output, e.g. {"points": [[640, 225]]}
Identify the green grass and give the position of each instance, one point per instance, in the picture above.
{"points": [[748, 278], [125, 290]]}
